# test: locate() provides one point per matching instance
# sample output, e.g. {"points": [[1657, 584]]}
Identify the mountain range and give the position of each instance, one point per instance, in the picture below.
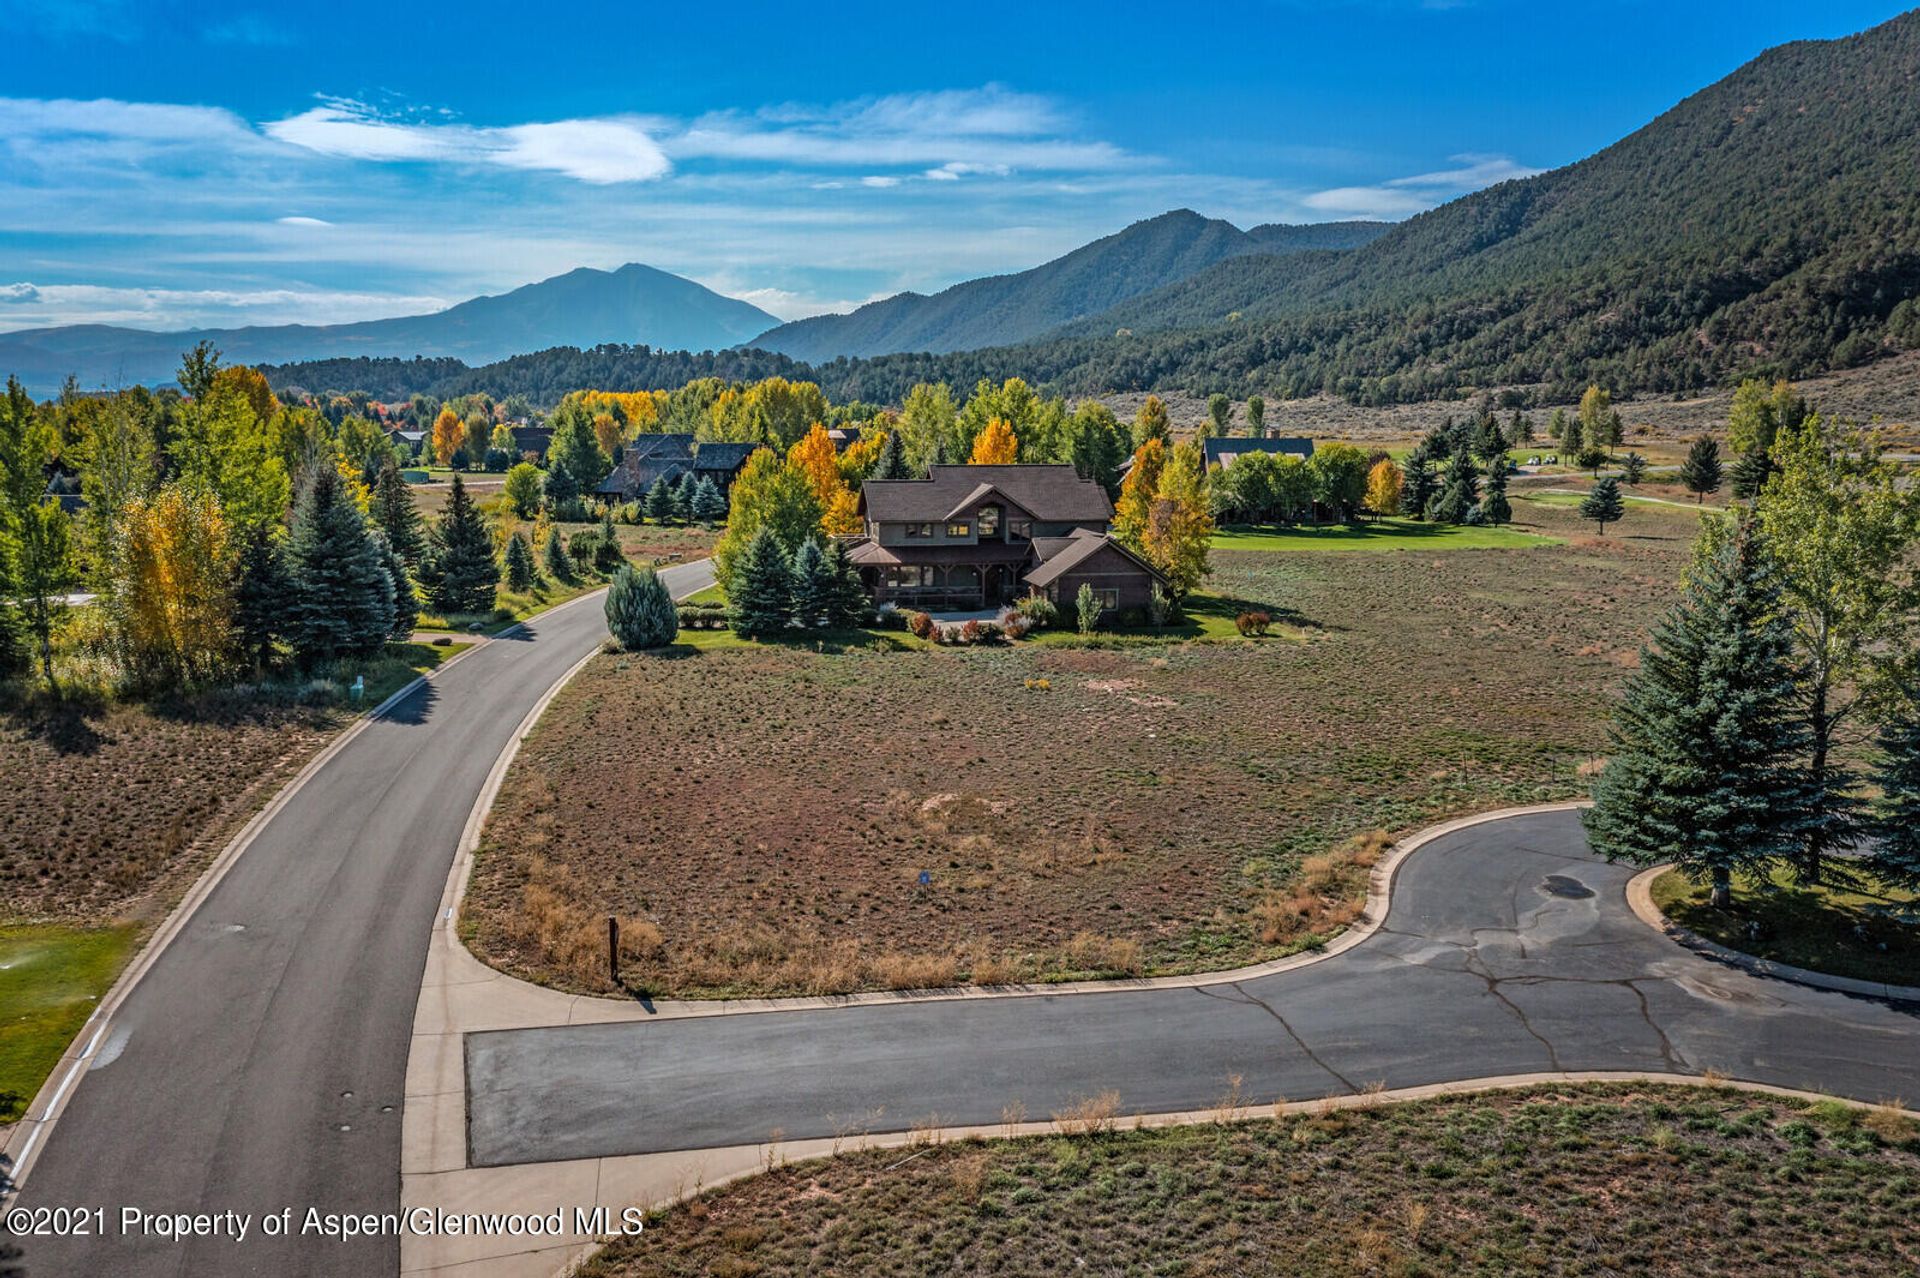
{"points": [[1003, 309], [582, 308]]}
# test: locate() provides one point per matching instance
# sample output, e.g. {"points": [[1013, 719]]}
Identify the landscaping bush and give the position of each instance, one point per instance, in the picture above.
{"points": [[640, 611], [889, 616], [703, 617], [922, 626], [581, 546], [1253, 623], [1086, 607], [1040, 611], [1014, 624], [970, 632]]}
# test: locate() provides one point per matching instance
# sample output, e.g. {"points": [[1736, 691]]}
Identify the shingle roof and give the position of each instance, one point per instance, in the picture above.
{"points": [[1222, 451], [719, 456], [1047, 492], [634, 475], [663, 446], [1060, 555]]}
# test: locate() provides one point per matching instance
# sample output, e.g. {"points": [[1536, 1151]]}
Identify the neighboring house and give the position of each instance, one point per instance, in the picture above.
{"points": [[531, 439], [1222, 450], [408, 439], [980, 536], [648, 458]]}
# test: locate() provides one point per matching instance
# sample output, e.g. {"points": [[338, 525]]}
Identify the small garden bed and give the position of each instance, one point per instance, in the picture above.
{"points": [[1831, 930]]}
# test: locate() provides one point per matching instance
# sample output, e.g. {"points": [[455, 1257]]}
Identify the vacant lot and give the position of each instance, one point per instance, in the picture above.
{"points": [[776, 820], [1562, 1181]]}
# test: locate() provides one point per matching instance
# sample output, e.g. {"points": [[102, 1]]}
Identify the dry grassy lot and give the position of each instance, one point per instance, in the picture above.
{"points": [[1551, 1181], [761, 816]]}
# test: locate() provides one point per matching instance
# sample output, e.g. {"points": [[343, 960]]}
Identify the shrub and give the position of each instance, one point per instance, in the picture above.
{"points": [[702, 617], [922, 626], [1159, 608], [581, 546], [1253, 623], [888, 616], [970, 632], [1133, 618], [1014, 624], [640, 611], [1087, 609], [1040, 611]]}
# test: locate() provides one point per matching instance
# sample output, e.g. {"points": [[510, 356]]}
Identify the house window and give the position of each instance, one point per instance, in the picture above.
{"points": [[959, 528], [1020, 529], [1109, 599], [919, 530], [909, 575], [989, 522]]}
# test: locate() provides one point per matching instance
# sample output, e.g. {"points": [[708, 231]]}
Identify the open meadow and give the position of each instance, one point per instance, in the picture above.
{"points": [[778, 820]]}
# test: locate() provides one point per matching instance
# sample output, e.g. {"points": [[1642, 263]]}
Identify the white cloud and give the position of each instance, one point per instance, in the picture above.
{"points": [[879, 180], [1405, 196], [153, 122], [787, 304], [303, 221], [42, 305], [598, 151]]}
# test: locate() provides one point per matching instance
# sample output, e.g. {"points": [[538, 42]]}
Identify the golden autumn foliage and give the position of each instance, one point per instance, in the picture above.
{"points": [[818, 459], [449, 436], [640, 409], [996, 445], [857, 463], [607, 433], [174, 596], [1137, 491], [1384, 482], [1179, 527], [248, 383]]}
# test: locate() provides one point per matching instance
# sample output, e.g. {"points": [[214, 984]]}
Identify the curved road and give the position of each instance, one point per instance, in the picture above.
{"points": [[260, 1062], [1507, 949]]}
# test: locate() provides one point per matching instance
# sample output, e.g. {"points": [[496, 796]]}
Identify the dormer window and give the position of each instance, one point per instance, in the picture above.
{"points": [[989, 522], [959, 528]]}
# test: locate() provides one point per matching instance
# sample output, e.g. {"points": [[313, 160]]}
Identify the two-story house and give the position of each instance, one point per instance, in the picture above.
{"points": [[980, 536]]}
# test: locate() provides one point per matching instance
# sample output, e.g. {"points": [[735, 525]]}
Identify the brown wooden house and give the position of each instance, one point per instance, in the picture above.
{"points": [[971, 537]]}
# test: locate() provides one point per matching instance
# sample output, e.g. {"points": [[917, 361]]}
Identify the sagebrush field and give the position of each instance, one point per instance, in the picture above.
{"points": [[775, 820]]}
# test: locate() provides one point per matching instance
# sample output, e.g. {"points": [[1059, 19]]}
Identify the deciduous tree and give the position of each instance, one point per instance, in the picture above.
{"points": [[176, 588], [995, 446], [1151, 423], [770, 492], [522, 489], [36, 550], [1135, 507], [1180, 524]]}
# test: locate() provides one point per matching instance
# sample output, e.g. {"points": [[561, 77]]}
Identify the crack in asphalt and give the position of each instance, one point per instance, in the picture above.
{"points": [[1248, 998]]}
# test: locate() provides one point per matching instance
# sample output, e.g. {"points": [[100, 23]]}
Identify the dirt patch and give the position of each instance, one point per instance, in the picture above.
{"points": [[797, 822]]}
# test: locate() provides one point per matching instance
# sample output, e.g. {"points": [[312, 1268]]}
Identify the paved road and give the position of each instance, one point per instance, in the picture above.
{"points": [[260, 1063], [1507, 949]]}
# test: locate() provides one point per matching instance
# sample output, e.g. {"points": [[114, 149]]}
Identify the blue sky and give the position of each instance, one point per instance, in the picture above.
{"points": [[167, 164]]}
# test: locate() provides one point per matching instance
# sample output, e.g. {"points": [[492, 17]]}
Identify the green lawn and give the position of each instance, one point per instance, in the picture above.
{"points": [[511, 607], [1824, 929], [1383, 534], [1574, 499], [51, 977]]}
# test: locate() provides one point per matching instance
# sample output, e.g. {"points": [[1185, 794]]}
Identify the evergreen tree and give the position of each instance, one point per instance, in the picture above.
{"points": [[1895, 817], [607, 556], [659, 503], [811, 584], [708, 505], [460, 573], [759, 593], [1256, 416], [1494, 507], [339, 599], [640, 611], [259, 597], [1460, 493], [1419, 484], [1633, 469], [520, 569], [406, 604], [1603, 504], [1707, 737], [559, 562], [683, 498], [395, 515], [1750, 473], [575, 464], [847, 604], [892, 462], [1700, 472]]}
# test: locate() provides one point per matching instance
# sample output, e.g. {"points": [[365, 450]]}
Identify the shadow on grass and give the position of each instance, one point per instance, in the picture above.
{"points": [[63, 721]]}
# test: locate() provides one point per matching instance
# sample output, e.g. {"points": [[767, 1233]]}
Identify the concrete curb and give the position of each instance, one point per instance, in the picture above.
{"points": [[524, 999], [654, 1181], [23, 1139], [1640, 900]]}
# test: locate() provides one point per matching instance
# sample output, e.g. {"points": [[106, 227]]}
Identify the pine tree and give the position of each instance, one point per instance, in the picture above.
{"points": [[759, 593], [1494, 507], [1419, 484], [520, 569], [1895, 816], [395, 514], [460, 573], [406, 604], [659, 503], [259, 597], [1707, 738], [1603, 504], [1750, 473], [847, 604], [811, 585], [1461, 492], [640, 611], [683, 498], [708, 505], [1701, 471], [607, 555], [1633, 469], [339, 599], [559, 562], [892, 463]]}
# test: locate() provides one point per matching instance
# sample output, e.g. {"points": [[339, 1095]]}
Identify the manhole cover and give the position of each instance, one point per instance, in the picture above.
{"points": [[1561, 885]]}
